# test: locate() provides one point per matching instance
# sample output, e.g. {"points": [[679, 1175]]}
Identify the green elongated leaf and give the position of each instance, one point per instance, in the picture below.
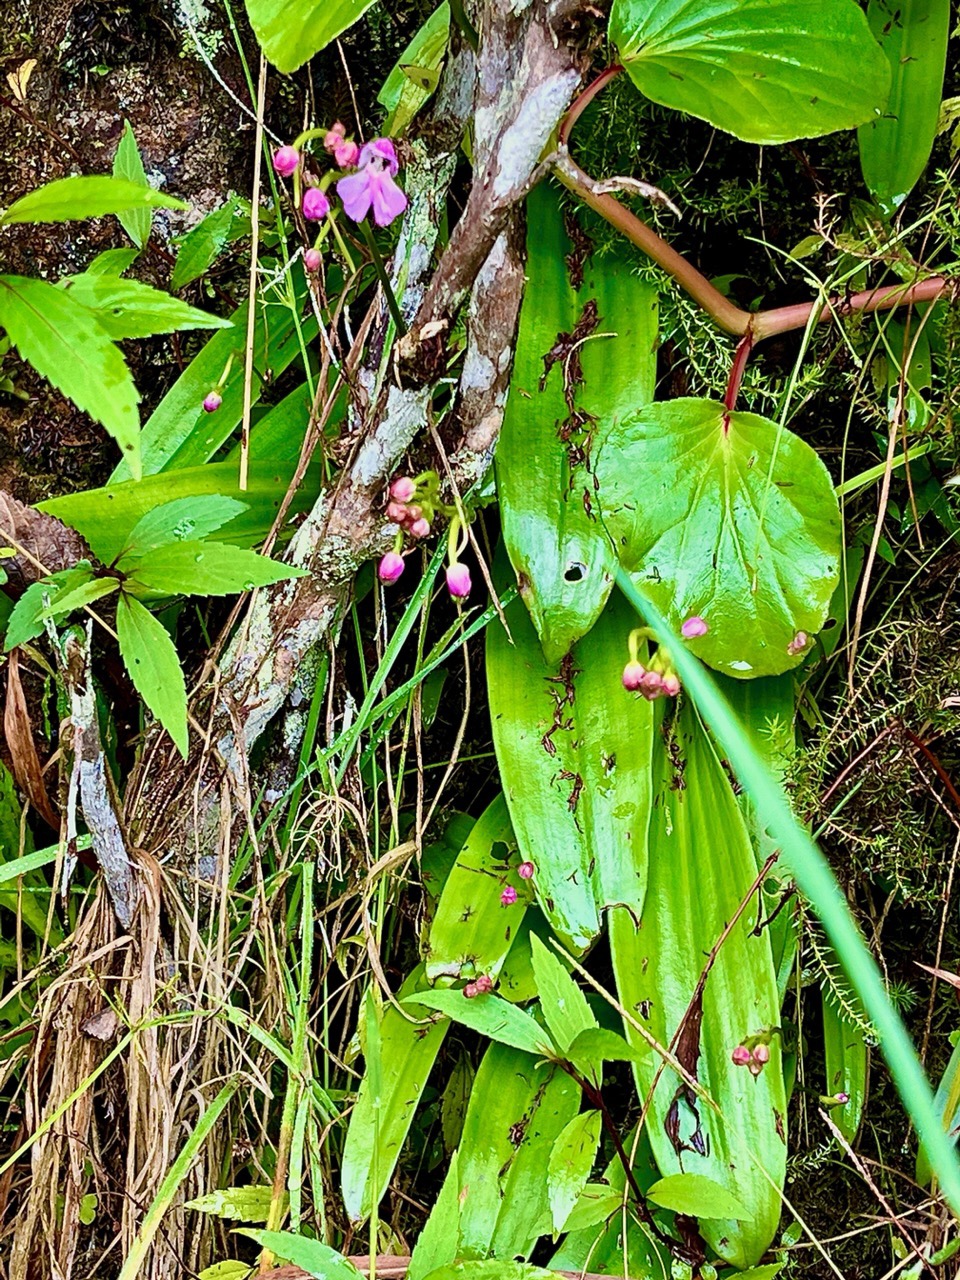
{"points": [[27, 619], [847, 1059], [437, 1244], [229, 1269], [895, 148], [128, 164], [66, 199], [608, 329], [728, 517], [68, 346], [571, 1161], [291, 31], [690, 902], [597, 1045], [381, 1118], [574, 755], [107, 516], [112, 262], [472, 931], [489, 1015], [697, 1196], [517, 983], [491, 1270], [414, 78], [453, 1104], [766, 71], [31, 906], [149, 655], [245, 1204], [312, 1256], [79, 597], [596, 1204], [180, 520], [564, 1005], [129, 309], [203, 244], [196, 568], [946, 1102]]}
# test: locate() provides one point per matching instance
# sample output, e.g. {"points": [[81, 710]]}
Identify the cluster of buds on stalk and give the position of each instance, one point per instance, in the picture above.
{"points": [[479, 987], [656, 678], [509, 894], [754, 1052], [414, 503]]}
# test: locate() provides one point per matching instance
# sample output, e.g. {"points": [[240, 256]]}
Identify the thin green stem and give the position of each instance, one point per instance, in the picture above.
{"points": [[381, 271]]}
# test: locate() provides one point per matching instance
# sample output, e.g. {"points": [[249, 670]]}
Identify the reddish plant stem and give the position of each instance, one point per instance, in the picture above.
{"points": [[744, 347], [581, 103]]}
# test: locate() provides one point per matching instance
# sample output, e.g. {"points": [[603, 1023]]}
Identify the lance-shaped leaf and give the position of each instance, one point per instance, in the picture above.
{"points": [[584, 355], [414, 78], [491, 1269], [312, 1256], [68, 346], [574, 754], [725, 516], [564, 1005], [196, 568], [847, 1063], [202, 244], [895, 148], [128, 164], [702, 865], [66, 199], [764, 70], [129, 309], [150, 656], [697, 1196], [570, 1163], [381, 1118], [472, 931], [491, 1016]]}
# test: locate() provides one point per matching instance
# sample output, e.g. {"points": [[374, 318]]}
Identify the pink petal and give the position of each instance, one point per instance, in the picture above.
{"points": [[355, 194], [388, 200]]}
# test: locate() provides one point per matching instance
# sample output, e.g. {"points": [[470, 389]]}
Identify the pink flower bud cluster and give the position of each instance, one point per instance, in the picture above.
{"points": [[655, 681], [754, 1059], [479, 987], [402, 509], [413, 505], [370, 186]]}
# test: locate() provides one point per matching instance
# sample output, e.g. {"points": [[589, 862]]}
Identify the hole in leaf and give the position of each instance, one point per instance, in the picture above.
{"points": [[829, 624], [576, 572]]}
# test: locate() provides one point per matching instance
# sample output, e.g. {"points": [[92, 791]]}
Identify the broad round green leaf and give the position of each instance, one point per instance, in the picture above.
{"points": [[728, 517], [291, 31], [766, 71]]}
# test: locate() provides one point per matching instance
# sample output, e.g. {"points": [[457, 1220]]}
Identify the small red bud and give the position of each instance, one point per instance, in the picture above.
{"points": [[484, 984], [633, 674], [526, 870], [741, 1056], [312, 259], [396, 512]]}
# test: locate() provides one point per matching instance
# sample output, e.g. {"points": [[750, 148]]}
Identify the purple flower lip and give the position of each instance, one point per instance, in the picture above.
{"points": [[381, 149], [372, 186]]}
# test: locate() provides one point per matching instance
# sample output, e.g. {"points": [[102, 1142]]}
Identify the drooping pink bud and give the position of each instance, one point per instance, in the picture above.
{"points": [[419, 528], [633, 674], [414, 512], [651, 686], [484, 984], [470, 990], [312, 259], [798, 643], [740, 1056], [458, 581], [346, 154], [396, 512], [670, 685], [526, 870], [390, 567], [212, 401], [694, 627], [315, 204], [509, 896], [334, 136], [841, 1099], [761, 1054], [286, 160], [403, 489]]}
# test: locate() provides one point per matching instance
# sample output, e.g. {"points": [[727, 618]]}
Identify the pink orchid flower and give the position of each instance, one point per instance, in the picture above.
{"points": [[373, 185]]}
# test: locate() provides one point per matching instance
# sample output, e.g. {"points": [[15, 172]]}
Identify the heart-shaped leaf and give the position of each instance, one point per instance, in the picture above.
{"points": [[764, 70], [728, 517]]}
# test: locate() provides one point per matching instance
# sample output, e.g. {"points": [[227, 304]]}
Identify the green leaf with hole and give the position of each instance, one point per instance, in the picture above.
{"points": [[181, 520], [564, 1005], [584, 355], [291, 31], [196, 568], [382, 1115], [570, 1163], [150, 657], [725, 516], [766, 71], [129, 309], [128, 164], [697, 1196], [312, 1256], [894, 149], [242, 1204], [68, 346], [491, 1016], [67, 199]]}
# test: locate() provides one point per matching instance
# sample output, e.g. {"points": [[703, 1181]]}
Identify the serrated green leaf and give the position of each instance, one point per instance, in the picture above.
{"points": [[29, 613], [312, 1256], [697, 1196], [196, 568], [407, 87], [291, 31], [894, 149], [557, 546], [129, 309], [87, 593], [68, 346], [472, 931], [766, 71], [570, 1163], [182, 519], [597, 1202], [690, 902], [491, 1270], [381, 1118], [597, 1045], [112, 262], [66, 199], [202, 245], [150, 657], [244, 1204], [726, 516], [491, 1016], [574, 754], [128, 164], [564, 1005]]}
